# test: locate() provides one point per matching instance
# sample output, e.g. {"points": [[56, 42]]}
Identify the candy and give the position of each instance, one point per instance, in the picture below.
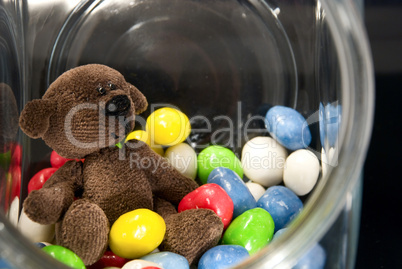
{"points": [[256, 189], [210, 196], [42, 244], [183, 158], [263, 160], [109, 259], [168, 126], [34, 231], [301, 171], [65, 256], [282, 204], [253, 230], [13, 212], [222, 257], [56, 160], [145, 137], [136, 233], [216, 156], [40, 178], [234, 186], [278, 233], [167, 260], [288, 127], [313, 259], [141, 264], [330, 120]]}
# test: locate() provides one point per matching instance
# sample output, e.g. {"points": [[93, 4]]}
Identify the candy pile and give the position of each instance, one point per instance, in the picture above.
{"points": [[253, 213]]}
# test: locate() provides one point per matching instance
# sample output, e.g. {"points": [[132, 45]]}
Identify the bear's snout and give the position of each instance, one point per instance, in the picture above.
{"points": [[119, 105]]}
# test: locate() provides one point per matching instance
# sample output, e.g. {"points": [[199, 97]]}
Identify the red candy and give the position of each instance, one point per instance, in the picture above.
{"points": [[210, 196], [40, 178], [57, 161], [109, 259]]}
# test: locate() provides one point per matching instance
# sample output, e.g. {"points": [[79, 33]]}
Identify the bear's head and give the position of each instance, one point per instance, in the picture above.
{"points": [[85, 109]]}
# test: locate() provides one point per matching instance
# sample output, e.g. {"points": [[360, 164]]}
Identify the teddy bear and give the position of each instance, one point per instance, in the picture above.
{"points": [[83, 114]]}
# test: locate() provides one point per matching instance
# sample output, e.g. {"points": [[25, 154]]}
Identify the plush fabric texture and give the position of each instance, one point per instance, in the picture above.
{"points": [[8, 117], [191, 233], [75, 118]]}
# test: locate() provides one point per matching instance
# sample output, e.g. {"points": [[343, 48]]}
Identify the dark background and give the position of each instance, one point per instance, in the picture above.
{"points": [[380, 239]]}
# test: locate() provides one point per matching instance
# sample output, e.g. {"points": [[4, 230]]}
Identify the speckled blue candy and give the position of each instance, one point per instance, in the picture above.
{"points": [[313, 259], [283, 205], [40, 245], [168, 260], [4, 264], [330, 121], [235, 187], [288, 127], [224, 256]]}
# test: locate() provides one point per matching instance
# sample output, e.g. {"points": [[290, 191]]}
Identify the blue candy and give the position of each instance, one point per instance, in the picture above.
{"points": [[223, 256], [313, 259], [278, 233], [41, 245], [283, 205], [235, 187], [4, 264], [288, 127], [330, 121], [168, 260]]}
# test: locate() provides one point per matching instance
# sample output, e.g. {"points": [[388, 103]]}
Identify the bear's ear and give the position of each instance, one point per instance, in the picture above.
{"points": [[138, 98], [34, 118]]}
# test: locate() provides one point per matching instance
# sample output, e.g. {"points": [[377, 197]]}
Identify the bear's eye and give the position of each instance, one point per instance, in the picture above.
{"points": [[101, 90], [111, 86]]}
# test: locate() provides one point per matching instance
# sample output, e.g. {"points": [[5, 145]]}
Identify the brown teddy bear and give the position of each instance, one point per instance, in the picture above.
{"points": [[83, 114]]}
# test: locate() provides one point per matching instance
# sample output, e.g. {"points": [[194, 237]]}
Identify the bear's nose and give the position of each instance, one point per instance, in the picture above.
{"points": [[118, 106]]}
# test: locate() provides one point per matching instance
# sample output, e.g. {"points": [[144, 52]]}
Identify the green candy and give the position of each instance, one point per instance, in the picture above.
{"points": [[216, 156], [64, 255], [253, 230]]}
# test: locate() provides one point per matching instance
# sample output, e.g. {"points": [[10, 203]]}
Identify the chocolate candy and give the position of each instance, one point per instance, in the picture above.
{"points": [[263, 160], [64, 255], [210, 196], [167, 260], [282, 204], [234, 186], [216, 156], [136, 233], [288, 127], [253, 230], [222, 257]]}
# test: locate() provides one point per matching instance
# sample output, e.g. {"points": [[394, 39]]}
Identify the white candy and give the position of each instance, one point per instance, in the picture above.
{"points": [[183, 158], [328, 160], [301, 171], [263, 160], [14, 211], [256, 189], [34, 231], [139, 264]]}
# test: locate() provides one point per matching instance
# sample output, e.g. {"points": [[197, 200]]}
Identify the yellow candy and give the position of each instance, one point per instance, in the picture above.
{"points": [[136, 233], [168, 126], [145, 137]]}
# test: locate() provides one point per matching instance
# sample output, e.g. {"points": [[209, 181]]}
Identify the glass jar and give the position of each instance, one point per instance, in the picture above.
{"points": [[219, 59]]}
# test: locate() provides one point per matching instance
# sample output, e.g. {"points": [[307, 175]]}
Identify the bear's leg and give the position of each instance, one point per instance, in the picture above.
{"points": [[191, 233], [85, 230]]}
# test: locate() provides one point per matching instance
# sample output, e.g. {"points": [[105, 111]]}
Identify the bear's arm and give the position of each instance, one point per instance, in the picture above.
{"points": [[165, 180], [47, 205]]}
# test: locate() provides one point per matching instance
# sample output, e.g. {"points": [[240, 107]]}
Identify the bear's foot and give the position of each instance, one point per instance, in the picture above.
{"points": [[85, 230], [191, 233]]}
